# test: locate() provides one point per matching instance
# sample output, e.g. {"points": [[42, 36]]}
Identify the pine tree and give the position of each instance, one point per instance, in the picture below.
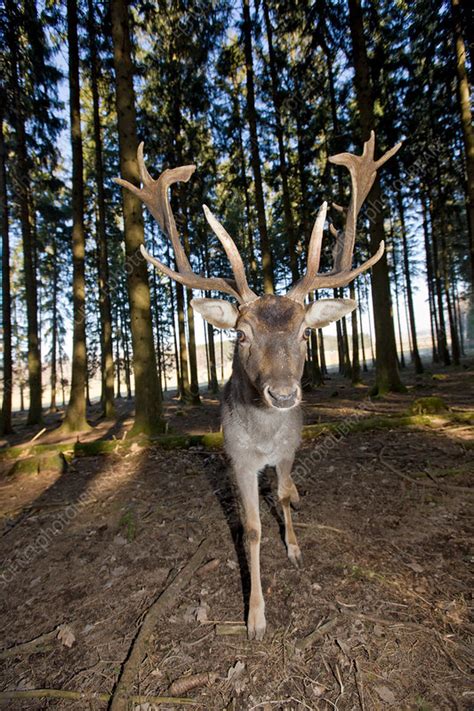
{"points": [[387, 375], [148, 408], [75, 418], [6, 414]]}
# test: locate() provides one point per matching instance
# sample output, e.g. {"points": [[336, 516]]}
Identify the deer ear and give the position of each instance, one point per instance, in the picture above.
{"points": [[222, 314], [321, 313]]}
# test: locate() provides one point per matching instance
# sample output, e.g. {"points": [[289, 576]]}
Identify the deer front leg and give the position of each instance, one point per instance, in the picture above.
{"points": [[288, 494], [248, 488]]}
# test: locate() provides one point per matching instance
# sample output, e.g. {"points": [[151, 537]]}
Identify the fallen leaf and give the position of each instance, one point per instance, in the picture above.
{"points": [[235, 671], [201, 612], [66, 635]]}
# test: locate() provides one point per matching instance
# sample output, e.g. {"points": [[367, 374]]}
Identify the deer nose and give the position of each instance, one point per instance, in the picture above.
{"points": [[283, 397]]}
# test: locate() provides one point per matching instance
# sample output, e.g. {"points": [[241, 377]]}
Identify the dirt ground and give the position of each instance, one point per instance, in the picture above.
{"points": [[387, 574]]}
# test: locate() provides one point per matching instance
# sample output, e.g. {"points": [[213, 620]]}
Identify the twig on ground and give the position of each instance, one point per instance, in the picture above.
{"points": [[139, 646], [195, 642], [321, 526], [39, 644], [442, 646], [316, 634], [88, 696], [37, 435], [422, 482], [225, 630], [359, 684]]}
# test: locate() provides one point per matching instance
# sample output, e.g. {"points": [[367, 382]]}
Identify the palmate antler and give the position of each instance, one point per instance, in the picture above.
{"points": [[363, 170], [154, 194]]}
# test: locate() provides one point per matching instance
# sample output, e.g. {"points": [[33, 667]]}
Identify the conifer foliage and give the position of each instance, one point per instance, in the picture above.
{"points": [[258, 95]]}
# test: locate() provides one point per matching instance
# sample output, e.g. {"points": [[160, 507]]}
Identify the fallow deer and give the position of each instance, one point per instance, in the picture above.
{"points": [[261, 416]]}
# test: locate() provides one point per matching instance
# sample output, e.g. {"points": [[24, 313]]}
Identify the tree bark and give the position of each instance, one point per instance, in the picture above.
{"points": [[429, 278], [465, 112], [107, 358], [362, 342], [356, 379], [21, 187], [54, 331], [442, 340], [148, 404], [75, 418], [213, 384], [267, 261], [126, 351], [193, 371], [245, 185], [387, 375], [6, 419], [283, 163], [184, 394], [406, 266], [117, 355]]}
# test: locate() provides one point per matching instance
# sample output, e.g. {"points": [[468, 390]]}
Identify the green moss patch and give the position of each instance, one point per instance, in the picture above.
{"points": [[432, 405]]}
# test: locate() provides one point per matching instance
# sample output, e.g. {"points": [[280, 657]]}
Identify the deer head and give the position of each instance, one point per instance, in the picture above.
{"points": [[271, 330]]}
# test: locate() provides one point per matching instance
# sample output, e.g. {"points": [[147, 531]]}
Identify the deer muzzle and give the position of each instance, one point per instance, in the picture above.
{"points": [[283, 397]]}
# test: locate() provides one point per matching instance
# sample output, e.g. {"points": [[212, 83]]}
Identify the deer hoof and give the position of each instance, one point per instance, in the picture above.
{"points": [[256, 624], [294, 554]]}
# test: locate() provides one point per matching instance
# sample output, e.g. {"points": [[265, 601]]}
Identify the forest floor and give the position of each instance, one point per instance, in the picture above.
{"points": [[386, 580]]}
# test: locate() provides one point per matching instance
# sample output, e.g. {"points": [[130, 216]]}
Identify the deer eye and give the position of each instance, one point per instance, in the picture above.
{"points": [[307, 333], [240, 336]]}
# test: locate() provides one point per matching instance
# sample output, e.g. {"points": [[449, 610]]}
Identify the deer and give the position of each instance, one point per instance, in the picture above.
{"points": [[261, 404]]}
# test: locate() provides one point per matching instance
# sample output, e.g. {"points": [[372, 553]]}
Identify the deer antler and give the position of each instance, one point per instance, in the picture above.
{"points": [[154, 194], [363, 170]]}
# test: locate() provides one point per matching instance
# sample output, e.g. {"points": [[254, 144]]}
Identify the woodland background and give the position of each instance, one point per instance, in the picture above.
{"points": [[257, 95]]}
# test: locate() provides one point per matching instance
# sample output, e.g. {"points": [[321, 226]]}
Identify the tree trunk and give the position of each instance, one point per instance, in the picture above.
{"points": [[22, 192], [117, 355], [355, 341], [406, 265], [184, 394], [222, 355], [156, 312], [107, 358], [442, 340], [213, 384], [429, 278], [316, 374], [322, 353], [387, 375], [457, 311], [371, 330], [362, 342], [126, 351], [75, 418], [464, 103], [175, 340], [148, 404], [283, 164], [194, 385], [399, 320], [6, 419], [267, 262], [345, 345], [54, 331], [245, 183]]}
